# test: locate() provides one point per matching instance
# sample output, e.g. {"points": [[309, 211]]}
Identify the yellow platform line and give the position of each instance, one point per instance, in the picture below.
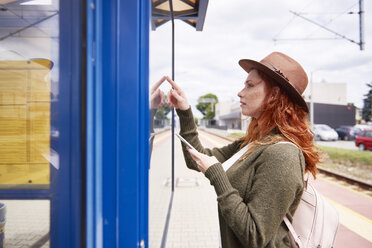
{"points": [[354, 221]]}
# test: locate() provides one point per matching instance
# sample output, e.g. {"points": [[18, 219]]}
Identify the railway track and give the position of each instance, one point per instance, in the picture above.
{"points": [[350, 180]]}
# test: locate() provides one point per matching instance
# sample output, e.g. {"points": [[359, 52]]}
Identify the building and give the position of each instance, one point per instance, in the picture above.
{"points": [[330, 104], [228, 114], [327, 93]]}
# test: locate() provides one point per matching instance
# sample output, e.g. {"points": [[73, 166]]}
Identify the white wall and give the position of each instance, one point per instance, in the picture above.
{"points": [[328, 93]]}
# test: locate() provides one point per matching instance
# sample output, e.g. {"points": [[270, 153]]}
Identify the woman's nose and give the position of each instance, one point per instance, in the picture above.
{"points": [[240, 93]]}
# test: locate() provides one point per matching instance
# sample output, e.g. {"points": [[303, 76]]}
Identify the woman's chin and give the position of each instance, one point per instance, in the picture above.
{"points": [[245, 113]]}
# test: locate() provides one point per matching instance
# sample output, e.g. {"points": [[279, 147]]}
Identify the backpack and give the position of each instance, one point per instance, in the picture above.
{"points": [[315, 221]]}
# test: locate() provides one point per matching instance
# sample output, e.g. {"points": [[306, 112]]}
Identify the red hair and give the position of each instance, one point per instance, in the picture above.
{"points": [[280, 113]]}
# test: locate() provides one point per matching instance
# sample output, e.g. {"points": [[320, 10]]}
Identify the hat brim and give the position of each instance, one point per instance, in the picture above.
{"points": [[248, 65]]}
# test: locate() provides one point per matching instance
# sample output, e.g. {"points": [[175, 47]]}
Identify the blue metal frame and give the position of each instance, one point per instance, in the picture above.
{"points": [[117, 123], [66, 203]]}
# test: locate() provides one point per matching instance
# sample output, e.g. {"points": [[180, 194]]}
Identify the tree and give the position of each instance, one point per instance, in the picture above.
{"points": [[163, 111], [367, 106], [206, 105]]}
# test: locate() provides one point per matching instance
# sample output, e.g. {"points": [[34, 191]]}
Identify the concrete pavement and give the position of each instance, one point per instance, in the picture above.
{"points": [[193, 220]]}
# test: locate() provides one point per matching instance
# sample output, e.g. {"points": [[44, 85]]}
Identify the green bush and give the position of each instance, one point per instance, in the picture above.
{"points": [[236, 135], [348, 157]]}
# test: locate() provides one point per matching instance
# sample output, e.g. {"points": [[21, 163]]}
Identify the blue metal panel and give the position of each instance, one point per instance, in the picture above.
{"points": [[144, 23], [133, 128], [109, 106], [66, 203], [94, 126], [117, 122]]}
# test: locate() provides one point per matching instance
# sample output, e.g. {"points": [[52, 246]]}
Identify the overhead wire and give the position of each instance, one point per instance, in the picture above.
{"points": [[290, 21], [332, 19], [308, 36]]}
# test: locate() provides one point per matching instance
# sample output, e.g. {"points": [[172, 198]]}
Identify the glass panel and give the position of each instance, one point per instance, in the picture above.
{"points": [[160, 166], [28, 47], [29, 54], [27, 223]]}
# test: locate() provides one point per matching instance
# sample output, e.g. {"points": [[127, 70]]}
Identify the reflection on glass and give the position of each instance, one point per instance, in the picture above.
{"points": [[27, 223], [29, 54], [160, 167], [28, 50]]}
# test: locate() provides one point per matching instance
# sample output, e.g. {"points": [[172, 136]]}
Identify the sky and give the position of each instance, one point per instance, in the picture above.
{"points": [[207, 61]]}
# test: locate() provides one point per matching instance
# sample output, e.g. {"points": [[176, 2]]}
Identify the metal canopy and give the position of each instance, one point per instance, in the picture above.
{"points": [[190, 11]]}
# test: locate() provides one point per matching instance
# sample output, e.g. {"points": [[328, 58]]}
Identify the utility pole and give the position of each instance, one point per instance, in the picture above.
{"points": [[361, 25]]}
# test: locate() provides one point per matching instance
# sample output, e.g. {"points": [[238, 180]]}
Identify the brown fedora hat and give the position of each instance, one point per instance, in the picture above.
{"points": [[285, 71]]}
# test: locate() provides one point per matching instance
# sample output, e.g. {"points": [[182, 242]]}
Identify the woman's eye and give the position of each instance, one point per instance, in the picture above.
{"points": [[249, 85]]}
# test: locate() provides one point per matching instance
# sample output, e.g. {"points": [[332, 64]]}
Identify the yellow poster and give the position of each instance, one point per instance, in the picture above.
{"points": [[25, 123]]}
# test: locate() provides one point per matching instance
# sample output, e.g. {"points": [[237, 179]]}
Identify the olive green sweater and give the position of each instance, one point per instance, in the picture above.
{"points": [[254, 194]]}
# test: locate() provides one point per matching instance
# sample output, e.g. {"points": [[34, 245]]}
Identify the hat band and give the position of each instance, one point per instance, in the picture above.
{"points": [[272, 67]]}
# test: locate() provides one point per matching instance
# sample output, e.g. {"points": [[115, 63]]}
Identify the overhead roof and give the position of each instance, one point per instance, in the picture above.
{"points": [[192, 12]]}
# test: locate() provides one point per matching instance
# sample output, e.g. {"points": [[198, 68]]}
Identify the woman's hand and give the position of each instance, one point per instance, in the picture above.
{"points": [[203, 161], [176, 97], [157, 97]]}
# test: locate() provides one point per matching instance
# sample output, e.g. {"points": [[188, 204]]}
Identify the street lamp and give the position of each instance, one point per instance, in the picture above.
{"points": [[312, 97], [311, 101]]}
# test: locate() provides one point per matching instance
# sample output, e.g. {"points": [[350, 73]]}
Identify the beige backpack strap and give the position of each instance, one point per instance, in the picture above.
{"points": [[295, 239]]}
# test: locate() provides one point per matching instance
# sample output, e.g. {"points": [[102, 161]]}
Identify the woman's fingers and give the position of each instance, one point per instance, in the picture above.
{"points": [[176, 100], [169, 100], [172, 98], [162, 98], [155, 99], [174, 85], [177, 96], [156, 86], [194, 154]]}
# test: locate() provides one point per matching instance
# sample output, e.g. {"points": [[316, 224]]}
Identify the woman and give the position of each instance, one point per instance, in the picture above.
{"points": [[264, 182]]}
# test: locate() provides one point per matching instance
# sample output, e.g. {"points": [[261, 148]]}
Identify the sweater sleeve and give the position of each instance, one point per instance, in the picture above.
{"points": [[276, 184], [189, 132]]}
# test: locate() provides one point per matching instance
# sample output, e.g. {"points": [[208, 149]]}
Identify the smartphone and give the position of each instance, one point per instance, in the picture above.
{"points": [[184, 141]]}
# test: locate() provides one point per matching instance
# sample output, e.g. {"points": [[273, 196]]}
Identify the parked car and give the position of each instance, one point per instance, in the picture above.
{"points": [[346, 132], [324, 132], [364, 140], [361, 127]]}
